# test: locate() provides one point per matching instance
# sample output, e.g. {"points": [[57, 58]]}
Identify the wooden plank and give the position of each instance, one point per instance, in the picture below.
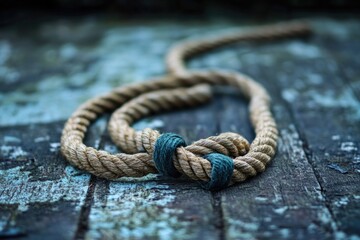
{"points": [[317, 198], [283, 202], [334, 151], [348, 70], [41, 196], [286, 200]]}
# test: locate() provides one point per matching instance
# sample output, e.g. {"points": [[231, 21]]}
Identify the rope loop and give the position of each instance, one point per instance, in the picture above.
{"points": [[138, 147], [217, 161]]}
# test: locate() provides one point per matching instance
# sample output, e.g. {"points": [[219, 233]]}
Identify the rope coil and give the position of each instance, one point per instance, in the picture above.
{"points": [[218, 161]]}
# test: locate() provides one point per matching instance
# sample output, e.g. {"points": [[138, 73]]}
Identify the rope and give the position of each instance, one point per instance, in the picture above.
{"points": [[175, 59], [207, 159]]}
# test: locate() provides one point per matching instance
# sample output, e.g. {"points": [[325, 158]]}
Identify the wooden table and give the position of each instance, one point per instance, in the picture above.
{"points": [[310, 190]]}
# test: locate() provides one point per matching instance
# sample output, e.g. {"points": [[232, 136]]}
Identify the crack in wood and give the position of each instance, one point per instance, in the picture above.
{"points": [[309, 156], [219, 221], [83, 223]]}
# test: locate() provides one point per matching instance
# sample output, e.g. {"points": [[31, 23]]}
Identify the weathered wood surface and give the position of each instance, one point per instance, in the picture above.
{"points": [[310, 191]]}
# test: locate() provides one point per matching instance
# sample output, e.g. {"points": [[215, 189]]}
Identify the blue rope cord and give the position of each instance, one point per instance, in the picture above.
{"points": [[165, 147], [222, 166]]}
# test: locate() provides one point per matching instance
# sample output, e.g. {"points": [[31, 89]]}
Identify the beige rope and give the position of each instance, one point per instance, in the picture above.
{"points": [[143, 99], [175, 59], [110, 166]]}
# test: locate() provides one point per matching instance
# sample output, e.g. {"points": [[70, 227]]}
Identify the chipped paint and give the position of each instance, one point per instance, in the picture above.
{"points": [[55, 147], [317, 191], [285, 233], [42, 139], [325, 218], [338, 168], [152, 123], [13, 152], [356, 159], [18, 189], [291, 138], [301, 49], [68, 51], [11, 139], [148, 177], [278, 197], [343, 201], [348, 147], [289, 94], [340, 235], [335, 137], [281, 210], [137, 211], [327, 99], [261, 199], [241, 230]]}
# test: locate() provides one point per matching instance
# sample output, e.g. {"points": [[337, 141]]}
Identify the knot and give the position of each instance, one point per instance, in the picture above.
{"points": [[222, 168], [165, 147]]}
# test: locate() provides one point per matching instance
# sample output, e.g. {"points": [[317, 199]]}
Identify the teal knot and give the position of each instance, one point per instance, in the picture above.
{"points": [[222, 168], [165, 147]]}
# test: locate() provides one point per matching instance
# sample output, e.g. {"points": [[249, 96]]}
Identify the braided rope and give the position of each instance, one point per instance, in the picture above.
{"points": [[182, 89]]}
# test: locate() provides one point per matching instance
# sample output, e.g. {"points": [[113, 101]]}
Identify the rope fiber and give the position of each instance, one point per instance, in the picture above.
{"points": [[217, 161]]}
